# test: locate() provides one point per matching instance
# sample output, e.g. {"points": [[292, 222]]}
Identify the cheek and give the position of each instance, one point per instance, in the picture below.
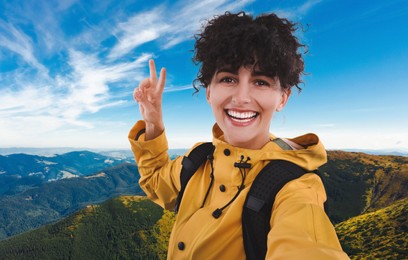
{"points": [[214, 103], [269, 104], [217, 97]]}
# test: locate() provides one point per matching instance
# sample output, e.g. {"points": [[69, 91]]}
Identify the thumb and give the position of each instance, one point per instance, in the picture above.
{"points": [[137, 94]]}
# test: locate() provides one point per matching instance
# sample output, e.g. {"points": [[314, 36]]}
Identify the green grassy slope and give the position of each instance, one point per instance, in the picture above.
{"points": [[381, 234], [357, 183]]}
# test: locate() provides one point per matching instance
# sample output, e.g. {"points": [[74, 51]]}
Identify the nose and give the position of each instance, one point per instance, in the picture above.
{"points": [[242, 94]]}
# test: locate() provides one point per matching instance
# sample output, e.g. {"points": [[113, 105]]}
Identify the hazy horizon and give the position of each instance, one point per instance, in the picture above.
{"points": [[51, 151]]}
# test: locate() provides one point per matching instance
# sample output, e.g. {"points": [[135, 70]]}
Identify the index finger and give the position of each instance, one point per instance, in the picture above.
{"points": [[153, 75]]}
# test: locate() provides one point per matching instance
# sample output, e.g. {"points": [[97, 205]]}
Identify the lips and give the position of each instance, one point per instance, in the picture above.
{"points": [[241, 116]]}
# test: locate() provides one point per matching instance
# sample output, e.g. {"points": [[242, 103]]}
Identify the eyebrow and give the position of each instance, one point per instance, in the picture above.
{"points": [[228, 70], [254, 72], [261, 73]]}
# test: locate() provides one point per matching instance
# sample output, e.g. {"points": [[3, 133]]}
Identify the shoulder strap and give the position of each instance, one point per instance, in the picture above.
{"points": [[282, 144], [190, 165], [257, 210]]}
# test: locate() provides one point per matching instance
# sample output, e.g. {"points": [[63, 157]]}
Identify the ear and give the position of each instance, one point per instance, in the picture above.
{"points": [[207, 94], [284, 99]]}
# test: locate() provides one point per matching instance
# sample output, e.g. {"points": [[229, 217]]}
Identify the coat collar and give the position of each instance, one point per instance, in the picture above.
{"points": [[310, 158]]}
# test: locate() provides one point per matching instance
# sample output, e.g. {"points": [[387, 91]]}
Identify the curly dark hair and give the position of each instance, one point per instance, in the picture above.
{"points": [[235, 40]]}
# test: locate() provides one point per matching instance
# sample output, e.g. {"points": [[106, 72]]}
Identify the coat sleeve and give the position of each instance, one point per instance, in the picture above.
{"points": [[159, 176], [300, 229]]}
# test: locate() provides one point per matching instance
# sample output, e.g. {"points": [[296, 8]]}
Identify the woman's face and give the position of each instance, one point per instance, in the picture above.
{"points": [[243, 103]]}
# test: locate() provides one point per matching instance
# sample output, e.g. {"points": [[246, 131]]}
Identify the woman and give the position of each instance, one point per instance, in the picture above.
{"points": [[248, 67]]}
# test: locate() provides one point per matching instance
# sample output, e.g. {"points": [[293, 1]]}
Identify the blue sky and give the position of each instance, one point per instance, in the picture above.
{"points": [[68, 69]]}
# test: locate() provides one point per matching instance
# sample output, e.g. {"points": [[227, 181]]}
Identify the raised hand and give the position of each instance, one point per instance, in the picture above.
{"points": [[149, 96]]}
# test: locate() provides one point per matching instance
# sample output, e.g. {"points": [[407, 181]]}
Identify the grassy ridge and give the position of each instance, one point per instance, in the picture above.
{"points": [[357, 183], [381, 234]]}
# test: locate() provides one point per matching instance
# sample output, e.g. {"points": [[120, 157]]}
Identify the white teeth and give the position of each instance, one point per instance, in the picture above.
{"points": [[246, 116]]}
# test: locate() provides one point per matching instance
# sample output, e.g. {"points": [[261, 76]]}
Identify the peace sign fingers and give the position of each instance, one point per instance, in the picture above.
{"points": [[149, 96]]}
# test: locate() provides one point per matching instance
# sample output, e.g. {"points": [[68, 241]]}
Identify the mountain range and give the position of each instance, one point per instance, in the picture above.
{"points": [[56, 167], [367, 200], [36, 190]]}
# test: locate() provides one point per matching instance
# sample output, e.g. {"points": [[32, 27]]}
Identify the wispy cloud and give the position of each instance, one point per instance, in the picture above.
{"points": [[30, 99], [137, 30], [176, 88], [168, 25], [89, 86], [297, 12], [50, 103], [85, 74], [29, 96], [18, 42], [187, 20]]}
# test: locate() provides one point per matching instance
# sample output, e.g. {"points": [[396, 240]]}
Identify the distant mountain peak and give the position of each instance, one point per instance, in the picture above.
{"points": [[98, 175]]}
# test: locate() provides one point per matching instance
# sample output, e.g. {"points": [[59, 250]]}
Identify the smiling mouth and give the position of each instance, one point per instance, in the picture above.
{"points": [[241, 117]]}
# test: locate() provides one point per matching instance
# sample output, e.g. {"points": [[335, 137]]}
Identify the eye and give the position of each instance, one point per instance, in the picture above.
{"points": [[262, 83], [227, 80]]}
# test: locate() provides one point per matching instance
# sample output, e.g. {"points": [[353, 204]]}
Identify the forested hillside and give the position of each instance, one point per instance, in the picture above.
{"points": [[121, 228], [53, 200], [367, 196]]}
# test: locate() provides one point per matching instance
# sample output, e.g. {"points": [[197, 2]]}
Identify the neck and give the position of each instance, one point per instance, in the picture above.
{"points": [[251, 144]]}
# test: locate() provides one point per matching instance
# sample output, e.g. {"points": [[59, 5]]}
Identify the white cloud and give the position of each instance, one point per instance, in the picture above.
{"points": [[35, 103], [27, 100], [43, 20], [65, 4], [176, 88], [187, 20], [18, 42], [50, 104], [89, 91], [297, 12], [45, 106], [168, 25], [137, 30]]}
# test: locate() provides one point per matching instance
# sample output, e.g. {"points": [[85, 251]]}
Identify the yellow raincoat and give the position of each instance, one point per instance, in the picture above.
{"points": [[300, 229]]}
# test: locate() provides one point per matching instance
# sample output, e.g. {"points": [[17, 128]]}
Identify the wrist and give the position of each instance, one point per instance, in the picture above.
{"points": [[153, 130]]}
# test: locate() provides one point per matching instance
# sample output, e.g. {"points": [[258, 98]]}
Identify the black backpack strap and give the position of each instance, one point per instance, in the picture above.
{"points": [[257, 210], [190, 165]]}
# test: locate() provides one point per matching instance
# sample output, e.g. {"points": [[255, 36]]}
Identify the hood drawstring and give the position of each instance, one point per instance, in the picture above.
{"points": [[210, 157], [242, 166]]}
